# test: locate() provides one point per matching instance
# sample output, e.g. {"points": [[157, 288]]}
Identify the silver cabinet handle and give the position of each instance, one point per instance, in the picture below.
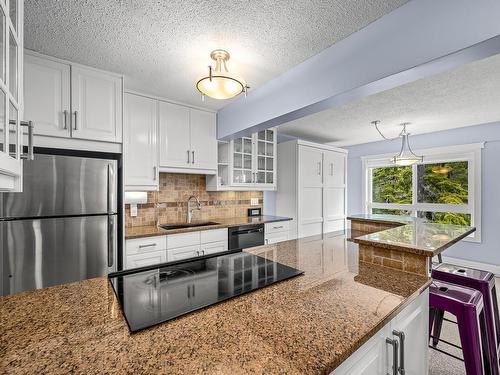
{"points": [[154, 173], [319, 168], [197, 253], [395, 345], [65, 118], [111, 241], [189, 160], [401, 336], [281, 226], [76, 114], [30, 155], [331, 169], [267, 241], [203, 252], [192, 154], [148, 245]]}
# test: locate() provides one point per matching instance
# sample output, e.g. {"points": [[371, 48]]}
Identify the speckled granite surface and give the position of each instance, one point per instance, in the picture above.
{"points": [[380, 218], [427, 239], [151, 230], [306, 325]]}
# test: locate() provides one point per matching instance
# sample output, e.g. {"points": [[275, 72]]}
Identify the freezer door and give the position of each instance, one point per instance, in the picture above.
{"points": [[46, 252], [57, 185]]}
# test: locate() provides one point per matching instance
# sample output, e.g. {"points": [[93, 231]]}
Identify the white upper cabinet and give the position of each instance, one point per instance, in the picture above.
{"points": [[140, 152], [334, 169], [175, 144], [252, 162], [11, 94], [71, 101], [203, 139], [46, 95], [96, 101], [188, 141]]}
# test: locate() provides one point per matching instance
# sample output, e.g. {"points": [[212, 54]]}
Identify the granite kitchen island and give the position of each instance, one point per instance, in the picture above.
{"points": [[309, 324]]}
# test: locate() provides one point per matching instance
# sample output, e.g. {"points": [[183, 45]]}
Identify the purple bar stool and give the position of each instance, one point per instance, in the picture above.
{"points": [[467, 306], [484, 282]]}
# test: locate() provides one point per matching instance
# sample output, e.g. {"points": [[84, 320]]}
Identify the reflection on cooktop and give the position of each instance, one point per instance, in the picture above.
{"points": [[157, 295]]}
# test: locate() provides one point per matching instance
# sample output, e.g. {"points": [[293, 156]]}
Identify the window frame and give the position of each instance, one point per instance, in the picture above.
{"points": [[469, 152]]}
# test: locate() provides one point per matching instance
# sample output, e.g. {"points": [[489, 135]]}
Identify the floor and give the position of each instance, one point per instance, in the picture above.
{"points": [[441, 364]]}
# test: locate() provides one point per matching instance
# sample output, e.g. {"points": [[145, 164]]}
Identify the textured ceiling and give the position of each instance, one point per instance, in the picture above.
{"points": [[162, 46], [469, 95]]}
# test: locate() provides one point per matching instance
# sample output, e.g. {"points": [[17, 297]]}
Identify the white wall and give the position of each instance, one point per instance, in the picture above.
{"points": [[488, 251]]}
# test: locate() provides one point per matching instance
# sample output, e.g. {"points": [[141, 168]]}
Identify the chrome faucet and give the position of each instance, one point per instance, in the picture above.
{"points": [[190, 210]]}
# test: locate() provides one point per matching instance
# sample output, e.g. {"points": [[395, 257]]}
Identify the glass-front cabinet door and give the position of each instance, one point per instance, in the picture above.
{"points": [[11, 95], [253, 160], [266, 160]]}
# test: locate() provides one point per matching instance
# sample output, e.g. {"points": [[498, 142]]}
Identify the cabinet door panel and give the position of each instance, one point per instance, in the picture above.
{"points": [[414, 322], [334, 168], [140, 155], [146, 259], [46, 96], [214, 247], [334, 208], [203, 140], [276, 237], [183, 253], [310, 166], [96, 100], [175, 147]]}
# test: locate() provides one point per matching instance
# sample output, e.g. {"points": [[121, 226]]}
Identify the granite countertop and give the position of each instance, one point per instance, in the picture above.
{"points": [[382, 218], [429, 239], [306, 325], [151, 230]]}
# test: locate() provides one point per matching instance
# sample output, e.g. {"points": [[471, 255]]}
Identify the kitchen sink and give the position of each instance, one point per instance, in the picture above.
{"points": [[189, 225]]}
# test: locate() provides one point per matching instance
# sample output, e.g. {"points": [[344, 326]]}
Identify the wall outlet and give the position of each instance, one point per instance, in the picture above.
{"points": [[133, 210], [254, 201]]}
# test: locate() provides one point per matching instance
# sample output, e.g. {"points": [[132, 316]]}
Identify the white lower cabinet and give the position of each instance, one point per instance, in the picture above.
{"points": [[169, 248], [375, 357], [146, 259], [276, 232]]}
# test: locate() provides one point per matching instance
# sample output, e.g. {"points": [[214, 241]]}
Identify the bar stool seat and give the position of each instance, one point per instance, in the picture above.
{"points": [[484, 282], [466, 304]]}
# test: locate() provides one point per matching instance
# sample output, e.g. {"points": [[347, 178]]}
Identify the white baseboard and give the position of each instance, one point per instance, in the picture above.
{"points": [[493, 268]]}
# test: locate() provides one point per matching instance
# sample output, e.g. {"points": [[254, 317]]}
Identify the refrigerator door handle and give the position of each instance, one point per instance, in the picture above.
{"points": [[111, 241], [111, 189]]}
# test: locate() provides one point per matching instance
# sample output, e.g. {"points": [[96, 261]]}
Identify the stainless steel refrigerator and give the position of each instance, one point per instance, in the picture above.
{"points": [[63, 226]]}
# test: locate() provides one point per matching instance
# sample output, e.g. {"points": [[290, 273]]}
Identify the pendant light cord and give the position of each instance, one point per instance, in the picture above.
{"points": [[376, 122]]}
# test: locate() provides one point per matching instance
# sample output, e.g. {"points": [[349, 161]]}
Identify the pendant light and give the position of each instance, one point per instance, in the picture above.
{"points": [[406, 156], [219, 83]]}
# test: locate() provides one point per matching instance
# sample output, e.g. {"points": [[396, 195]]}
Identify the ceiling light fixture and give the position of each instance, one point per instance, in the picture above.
{"points": [[219, 83], [406, 156]]}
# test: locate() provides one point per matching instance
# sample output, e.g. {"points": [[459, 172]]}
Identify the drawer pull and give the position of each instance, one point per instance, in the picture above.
{"points": [[280, 227], [149, 245]]}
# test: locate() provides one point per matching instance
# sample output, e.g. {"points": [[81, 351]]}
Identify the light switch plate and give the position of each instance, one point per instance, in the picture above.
{"points": [[254, 201], [133, 210]]}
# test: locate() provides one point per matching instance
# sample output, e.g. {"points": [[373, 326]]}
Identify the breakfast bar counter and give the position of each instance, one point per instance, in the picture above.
{"points": [[309, 324]]}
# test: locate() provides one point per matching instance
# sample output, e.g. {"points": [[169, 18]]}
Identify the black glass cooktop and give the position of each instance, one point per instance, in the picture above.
{"points": [[156, 295]]}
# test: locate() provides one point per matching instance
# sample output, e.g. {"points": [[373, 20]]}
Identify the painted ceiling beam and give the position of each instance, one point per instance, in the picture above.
{"points": [[419, 39]]}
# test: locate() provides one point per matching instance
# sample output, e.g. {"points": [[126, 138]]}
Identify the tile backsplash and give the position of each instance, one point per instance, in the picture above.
{"points": [[169, 204]]}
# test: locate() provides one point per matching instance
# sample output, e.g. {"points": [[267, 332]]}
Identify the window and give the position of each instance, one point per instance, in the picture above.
{"points": [[445, 188]]}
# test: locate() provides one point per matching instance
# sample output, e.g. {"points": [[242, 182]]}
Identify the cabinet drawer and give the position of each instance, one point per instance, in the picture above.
{"points": [[145, 245], [183, 253], [280, 226], [214, 235], [183, 239], [147, 259], [276, 237], [213, 247]]}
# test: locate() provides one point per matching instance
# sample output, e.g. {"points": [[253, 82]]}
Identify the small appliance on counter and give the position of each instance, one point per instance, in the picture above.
{"points": [[257, 211]]}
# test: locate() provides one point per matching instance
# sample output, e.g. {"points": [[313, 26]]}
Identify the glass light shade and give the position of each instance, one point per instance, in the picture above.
{"points": [[406, 156], [221, 86]]}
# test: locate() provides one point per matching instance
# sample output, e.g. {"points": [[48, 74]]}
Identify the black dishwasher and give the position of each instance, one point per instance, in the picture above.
{"points": [[245, 236]]}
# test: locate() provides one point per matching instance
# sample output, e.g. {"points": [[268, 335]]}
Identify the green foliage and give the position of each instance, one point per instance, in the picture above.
{"points": [[392, 185], [442, 183]]}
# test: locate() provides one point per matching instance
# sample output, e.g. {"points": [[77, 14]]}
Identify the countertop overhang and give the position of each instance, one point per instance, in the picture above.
{"points": [[309, 324], [411, 235], [152, 230]]}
